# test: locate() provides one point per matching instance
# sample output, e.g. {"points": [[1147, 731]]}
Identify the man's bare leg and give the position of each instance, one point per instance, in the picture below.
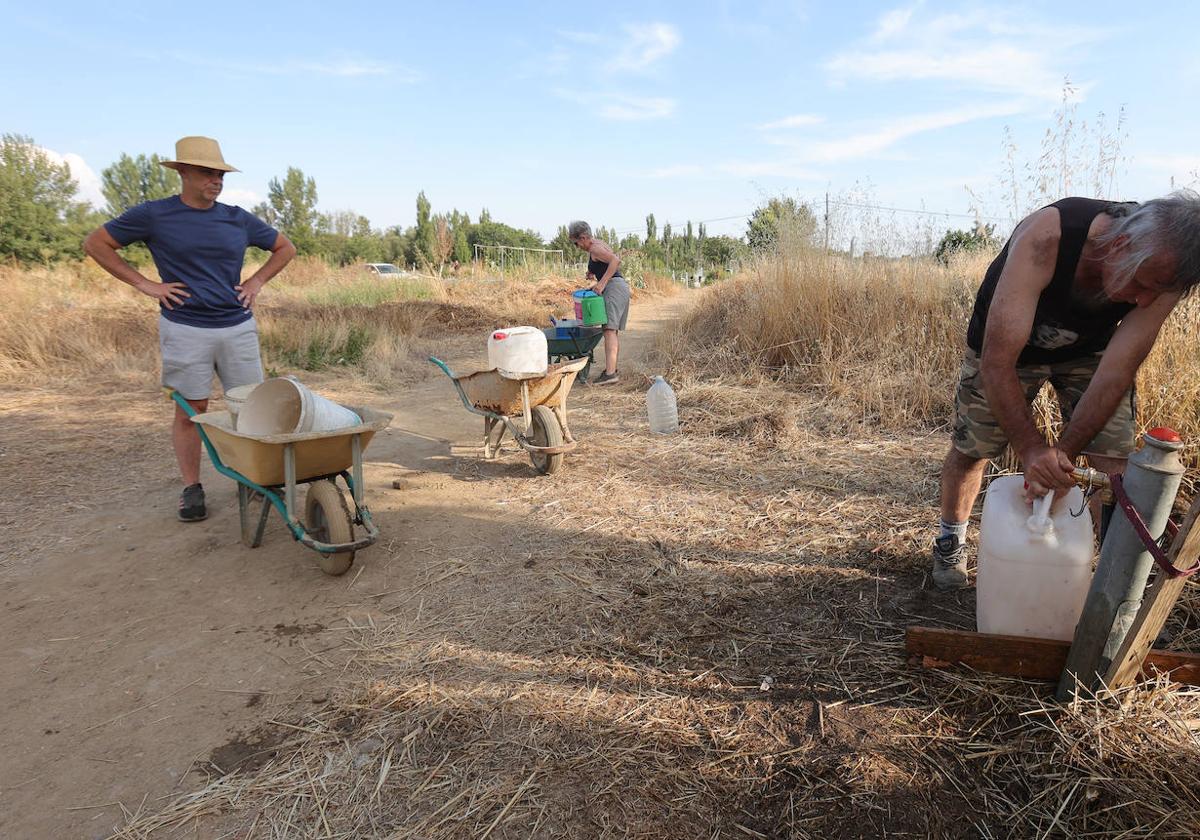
{"points": [[187, 442], [962, 476]]}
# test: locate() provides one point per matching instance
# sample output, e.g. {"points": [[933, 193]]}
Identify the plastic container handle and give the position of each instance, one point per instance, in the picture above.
{"points": [[1040, 523]]}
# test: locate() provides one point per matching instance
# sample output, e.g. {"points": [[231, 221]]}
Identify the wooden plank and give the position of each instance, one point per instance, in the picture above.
{"points": [[1020, 656], [1157, 605]]}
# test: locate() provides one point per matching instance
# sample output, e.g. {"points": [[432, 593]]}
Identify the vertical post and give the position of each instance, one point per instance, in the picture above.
{"points": [[1151, 481], [826, 221]]}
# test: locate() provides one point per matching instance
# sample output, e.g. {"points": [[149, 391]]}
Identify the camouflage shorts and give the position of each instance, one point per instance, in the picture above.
{"points": [[978, 434]]}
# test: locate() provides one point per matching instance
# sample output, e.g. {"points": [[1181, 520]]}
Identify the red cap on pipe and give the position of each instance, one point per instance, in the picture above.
{"points": [[1166, 434]]}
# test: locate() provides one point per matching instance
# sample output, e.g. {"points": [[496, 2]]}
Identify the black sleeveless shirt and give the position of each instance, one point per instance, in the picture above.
{"points": [[596, 268], [1063, 327]]}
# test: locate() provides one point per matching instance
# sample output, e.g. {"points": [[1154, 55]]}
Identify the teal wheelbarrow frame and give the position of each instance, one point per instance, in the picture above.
{"points": [[328, 526], [540, 400]]}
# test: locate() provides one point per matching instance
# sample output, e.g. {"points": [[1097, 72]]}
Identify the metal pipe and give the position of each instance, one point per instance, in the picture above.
{"points": [[1151, 480]]}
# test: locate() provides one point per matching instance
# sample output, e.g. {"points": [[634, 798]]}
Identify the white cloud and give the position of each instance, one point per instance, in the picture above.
{"points": [[877, 140], [627, 108], [645, 44], [345, 67], [794, 121], [986, 49], [246, 199], [84, 175]]}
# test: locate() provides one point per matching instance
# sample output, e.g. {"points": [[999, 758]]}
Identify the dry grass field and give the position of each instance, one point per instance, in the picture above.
{"points": [[693, 636]]}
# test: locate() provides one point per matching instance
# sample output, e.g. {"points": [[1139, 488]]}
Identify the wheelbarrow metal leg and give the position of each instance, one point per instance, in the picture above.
{"points": [[493, 434], [356, 469], [525, 407], [289, 477], [252, 533]]}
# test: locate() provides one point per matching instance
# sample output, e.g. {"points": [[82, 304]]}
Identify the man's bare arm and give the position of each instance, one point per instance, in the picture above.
{"points": [[101, 247], [1126, 351]]}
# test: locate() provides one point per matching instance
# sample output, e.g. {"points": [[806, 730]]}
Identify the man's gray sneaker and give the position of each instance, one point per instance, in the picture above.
{"points": [[608, 378], [949, 563], [191, 504]]}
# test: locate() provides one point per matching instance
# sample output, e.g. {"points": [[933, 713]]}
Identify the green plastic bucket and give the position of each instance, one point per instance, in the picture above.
{"points": [[594, 314]]}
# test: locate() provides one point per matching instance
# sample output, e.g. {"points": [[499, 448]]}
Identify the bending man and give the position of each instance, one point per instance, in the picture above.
{"points": [[1076, 297]]}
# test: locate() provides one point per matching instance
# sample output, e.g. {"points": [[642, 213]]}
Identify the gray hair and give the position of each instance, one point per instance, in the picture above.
{"points": [[577, 229], [1170, 224]]}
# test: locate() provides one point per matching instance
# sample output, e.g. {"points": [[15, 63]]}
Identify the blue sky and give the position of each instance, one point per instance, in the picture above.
{"points": [[546, 112]]}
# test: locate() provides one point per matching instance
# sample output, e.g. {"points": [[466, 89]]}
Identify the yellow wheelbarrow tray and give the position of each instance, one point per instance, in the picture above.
{"points": [[539, 400], [270, 467]]}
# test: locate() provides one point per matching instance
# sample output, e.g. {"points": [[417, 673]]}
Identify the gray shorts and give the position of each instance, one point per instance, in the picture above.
{"points": [[616, 303], [190, 355]]}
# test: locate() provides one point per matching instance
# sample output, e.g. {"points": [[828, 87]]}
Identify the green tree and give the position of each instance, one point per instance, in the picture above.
{"points": [[498, 233], [651, 228], [293, 209], [721, 250], [131, 181], [780, 221], [39, 216], [630, 242], [980, 238], [462, 248], [562, 241], [426, 236]]}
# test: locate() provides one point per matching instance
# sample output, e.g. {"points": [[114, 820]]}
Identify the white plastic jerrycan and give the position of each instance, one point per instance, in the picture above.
{"points": [[661, 408], [518, 352], [1034, 568]]}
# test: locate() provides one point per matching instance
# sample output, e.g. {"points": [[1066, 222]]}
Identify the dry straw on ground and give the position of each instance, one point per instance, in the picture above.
{"points": [[720, 656], [701, 635]]}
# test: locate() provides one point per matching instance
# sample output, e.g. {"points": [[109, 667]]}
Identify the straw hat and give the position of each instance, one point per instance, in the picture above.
{"points": [[199, 151]]}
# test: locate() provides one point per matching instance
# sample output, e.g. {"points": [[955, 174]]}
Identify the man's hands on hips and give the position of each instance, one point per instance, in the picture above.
{"points": [[169, 295], [1047, 468], [248, 291]]}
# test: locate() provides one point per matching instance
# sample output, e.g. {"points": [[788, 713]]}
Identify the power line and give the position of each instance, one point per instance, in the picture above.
{"points": [[857, 205]]}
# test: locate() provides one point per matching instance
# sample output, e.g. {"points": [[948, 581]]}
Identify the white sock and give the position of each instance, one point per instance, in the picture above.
{"points": [[958, 529]]}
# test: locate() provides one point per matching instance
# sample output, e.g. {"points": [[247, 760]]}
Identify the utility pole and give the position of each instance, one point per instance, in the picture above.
{"points": [[826, 221]]}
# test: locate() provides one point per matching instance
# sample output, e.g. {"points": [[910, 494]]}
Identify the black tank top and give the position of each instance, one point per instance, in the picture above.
{"points": [[596, 268], [1063, 328]]}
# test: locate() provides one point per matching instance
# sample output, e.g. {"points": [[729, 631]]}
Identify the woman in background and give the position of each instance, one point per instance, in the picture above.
{"points": [[605, 267]]}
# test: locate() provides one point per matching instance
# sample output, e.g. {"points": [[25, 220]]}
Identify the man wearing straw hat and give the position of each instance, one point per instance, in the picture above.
{"points": [[1076, 298], [206, 322]]}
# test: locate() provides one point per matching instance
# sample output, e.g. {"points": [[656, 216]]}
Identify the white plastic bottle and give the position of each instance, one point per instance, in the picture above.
{"points": [[1034, 568], [661, 408]]}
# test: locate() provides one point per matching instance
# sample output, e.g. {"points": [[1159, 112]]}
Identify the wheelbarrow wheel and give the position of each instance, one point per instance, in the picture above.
{"points": [[545, 431], [327, 519]]}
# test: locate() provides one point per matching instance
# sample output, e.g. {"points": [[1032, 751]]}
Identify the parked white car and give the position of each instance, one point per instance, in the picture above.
{"points": [[384, 269]]}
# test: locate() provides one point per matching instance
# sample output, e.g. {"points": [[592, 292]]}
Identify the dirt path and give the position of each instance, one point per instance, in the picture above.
{"points": [[140, 650]]}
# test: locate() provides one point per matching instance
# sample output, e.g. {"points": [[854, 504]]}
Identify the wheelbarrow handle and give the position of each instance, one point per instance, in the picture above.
{"points": [[442, 365]]}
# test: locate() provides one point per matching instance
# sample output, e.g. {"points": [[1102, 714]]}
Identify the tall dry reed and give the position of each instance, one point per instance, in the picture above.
{"points": [[881, 339], [72, 320]]}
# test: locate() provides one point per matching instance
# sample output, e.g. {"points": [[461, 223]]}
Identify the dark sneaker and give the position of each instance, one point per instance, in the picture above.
{"points": [[609, 378], [949, 563], [191, 504]]}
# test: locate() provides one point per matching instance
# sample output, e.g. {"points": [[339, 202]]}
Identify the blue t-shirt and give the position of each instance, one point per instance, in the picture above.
{"points": [[202, 249]]}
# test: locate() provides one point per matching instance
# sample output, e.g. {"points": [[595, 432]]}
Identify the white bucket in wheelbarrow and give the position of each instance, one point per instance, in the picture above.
{"points": [[285, 406], [235, 398]]}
